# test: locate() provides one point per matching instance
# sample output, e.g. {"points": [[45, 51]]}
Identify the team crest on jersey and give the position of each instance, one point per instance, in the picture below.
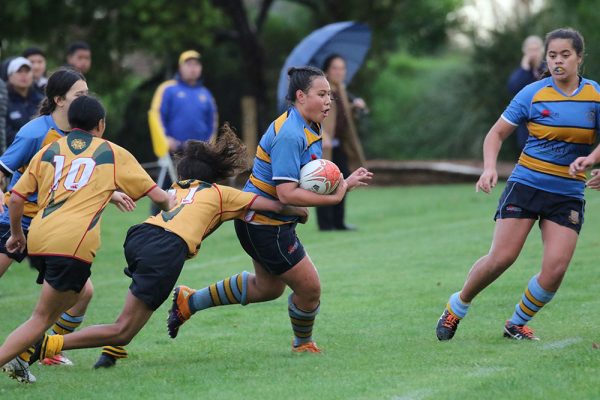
{"points": [[78, 144], [574, 217], [202, 98], [590, 115]]}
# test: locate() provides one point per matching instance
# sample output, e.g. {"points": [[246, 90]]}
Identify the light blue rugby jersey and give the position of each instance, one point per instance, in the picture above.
{"points": [[561, 128], [29, 140], [287, 145]]}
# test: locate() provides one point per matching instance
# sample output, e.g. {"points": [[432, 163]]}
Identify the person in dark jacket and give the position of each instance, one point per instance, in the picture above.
{"points": [[530, 70], [23, 99]]}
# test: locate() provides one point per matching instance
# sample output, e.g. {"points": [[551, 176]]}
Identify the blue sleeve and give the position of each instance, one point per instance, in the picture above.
{"points": [[19, 153], [285, 156], [212, 113], [519, 107], [519, 79]]}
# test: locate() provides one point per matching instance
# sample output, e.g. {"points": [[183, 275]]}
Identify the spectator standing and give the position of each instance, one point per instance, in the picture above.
{"points": [[79, 56], [23, 99], [341, 143], [3, 109], [37, 58], [183, 108], [530, 70]]}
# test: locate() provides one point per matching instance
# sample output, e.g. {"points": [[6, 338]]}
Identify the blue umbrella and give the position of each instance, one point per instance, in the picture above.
{"points": [[351, 40]]}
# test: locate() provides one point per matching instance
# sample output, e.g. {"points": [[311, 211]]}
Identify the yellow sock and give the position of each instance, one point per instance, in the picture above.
{"points": [[26, 355], [51, 345], [115, 351]]}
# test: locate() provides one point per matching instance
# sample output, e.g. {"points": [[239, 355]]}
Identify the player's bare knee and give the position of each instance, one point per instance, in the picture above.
{"points": [[310, 293], [501, 261]]}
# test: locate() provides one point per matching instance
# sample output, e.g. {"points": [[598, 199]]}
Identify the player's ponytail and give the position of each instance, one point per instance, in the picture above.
{"points": [[215, 161], [301, 79], [59, 84]]}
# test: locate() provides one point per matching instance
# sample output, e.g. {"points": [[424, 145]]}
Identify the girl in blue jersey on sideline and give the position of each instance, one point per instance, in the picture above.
{"points": [[290, 142], [562, 114]]}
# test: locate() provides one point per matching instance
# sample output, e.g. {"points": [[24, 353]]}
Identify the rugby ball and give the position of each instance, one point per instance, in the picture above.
{"points": [[320, 176]]}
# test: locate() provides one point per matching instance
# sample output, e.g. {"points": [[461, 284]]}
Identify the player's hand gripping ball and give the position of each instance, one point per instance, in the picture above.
{"points": [[320, 176]]}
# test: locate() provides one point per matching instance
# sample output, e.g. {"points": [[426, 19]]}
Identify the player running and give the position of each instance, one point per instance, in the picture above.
{"points": [[157, 249], [291, 141], [562, 113], [75, 178]]}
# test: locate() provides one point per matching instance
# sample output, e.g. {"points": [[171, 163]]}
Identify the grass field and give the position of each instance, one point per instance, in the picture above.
{"points": [[384, 288]]}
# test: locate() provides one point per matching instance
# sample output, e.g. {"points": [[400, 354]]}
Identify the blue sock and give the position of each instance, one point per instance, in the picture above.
{"points": [[233, 290], [534, 298], [457, 307], [302, 322], [66, 324]]}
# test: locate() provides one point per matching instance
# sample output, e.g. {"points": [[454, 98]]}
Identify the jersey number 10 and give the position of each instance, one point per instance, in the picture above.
{"points": [[79, 173]]}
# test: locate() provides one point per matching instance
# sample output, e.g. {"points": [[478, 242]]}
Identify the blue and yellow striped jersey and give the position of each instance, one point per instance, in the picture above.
{"points": [[287, 145], [29, 140], [561, 128]]}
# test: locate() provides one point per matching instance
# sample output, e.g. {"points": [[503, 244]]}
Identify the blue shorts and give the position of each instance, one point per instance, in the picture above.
{"points": [[276, 248], [522, 201], [4, 235]]}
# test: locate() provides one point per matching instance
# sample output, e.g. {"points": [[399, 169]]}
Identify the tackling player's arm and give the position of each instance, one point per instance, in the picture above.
{"points": [[264, 204], [122, 201], [164, 200]]}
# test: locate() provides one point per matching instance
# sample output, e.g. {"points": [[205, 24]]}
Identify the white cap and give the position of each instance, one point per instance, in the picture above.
{"points": [[16, 64]]}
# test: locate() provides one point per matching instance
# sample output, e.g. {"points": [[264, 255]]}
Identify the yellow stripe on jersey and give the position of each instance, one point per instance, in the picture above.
{"points": [[160, 145], [565, 134], [51, 136], [262, 155], [311, 137], [280, 121], [264, 220], [587, 93], [265, 187], [548, 168]]}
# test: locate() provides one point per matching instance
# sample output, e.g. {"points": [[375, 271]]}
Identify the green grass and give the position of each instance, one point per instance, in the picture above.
{"points": [[383, 290]]}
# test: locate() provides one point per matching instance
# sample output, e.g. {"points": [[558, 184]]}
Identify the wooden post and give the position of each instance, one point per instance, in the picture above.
{"points": [[249, 125]]}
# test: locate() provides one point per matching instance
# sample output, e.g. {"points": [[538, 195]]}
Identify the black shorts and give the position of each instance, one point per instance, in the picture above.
{"points": [[62, 273], [4, 235], [277, 248], [522, 201], [155, 258]]}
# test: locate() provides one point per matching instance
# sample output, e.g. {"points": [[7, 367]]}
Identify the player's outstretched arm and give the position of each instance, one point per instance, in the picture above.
{"points": [[122, 201], [164, 200], [264, 204], [16, 243]]}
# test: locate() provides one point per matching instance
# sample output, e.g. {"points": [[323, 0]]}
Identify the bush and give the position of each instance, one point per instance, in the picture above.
{"points": [[419, 111]]}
